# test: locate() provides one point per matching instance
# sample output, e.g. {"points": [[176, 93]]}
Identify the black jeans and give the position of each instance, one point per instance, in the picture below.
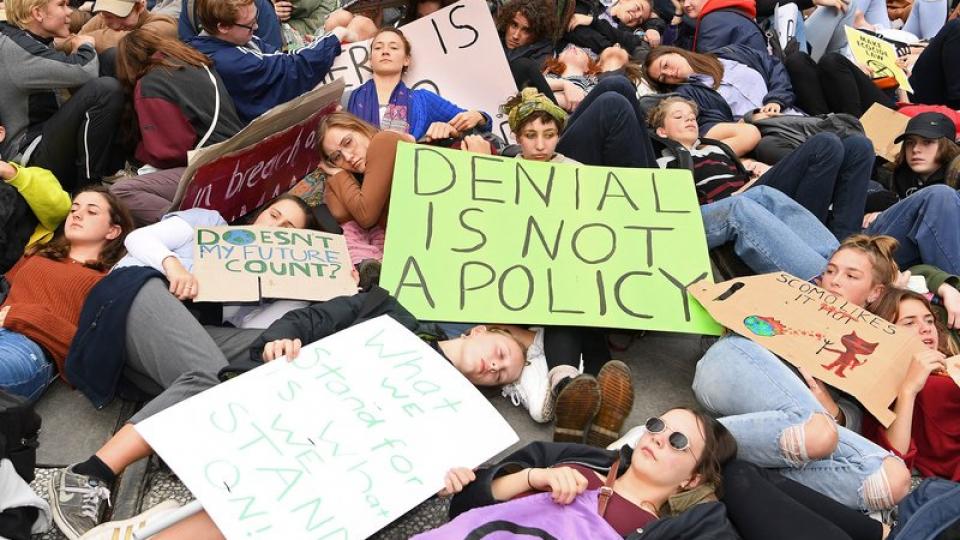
{"points": [[762, 505], [77, 144], [608, 128], [565, 345], [526, 72], [826, 170], [835, 85]]}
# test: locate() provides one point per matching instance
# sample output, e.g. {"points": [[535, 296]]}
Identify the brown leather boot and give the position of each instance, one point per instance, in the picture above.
{"points": [[577, 404], [616, 401]]}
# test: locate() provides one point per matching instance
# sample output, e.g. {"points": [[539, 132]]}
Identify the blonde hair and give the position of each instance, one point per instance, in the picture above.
{"points": [[658, 114], [880, 250], [20, 12], [343, 120]]}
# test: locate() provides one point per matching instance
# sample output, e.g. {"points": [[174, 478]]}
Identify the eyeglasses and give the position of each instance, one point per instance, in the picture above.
{"points": [[252, 27], [336, 157], [678, 441]]}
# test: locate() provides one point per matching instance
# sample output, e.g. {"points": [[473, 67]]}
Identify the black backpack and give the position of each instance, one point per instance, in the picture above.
{"points": [[19, 434]]}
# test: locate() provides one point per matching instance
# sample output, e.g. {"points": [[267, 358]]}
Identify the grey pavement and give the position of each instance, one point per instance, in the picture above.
{"points": [[662, 365]]}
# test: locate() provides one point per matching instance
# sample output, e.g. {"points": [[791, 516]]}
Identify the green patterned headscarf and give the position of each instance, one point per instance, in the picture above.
{"points": [[531, 102]]}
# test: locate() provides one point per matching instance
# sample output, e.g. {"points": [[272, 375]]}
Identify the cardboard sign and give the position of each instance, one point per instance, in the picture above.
{"points": [[876, 54], [838, 342], [359, 429], [882, 126], [264, 160], [243, 264], [494, 239], [456, 53]]}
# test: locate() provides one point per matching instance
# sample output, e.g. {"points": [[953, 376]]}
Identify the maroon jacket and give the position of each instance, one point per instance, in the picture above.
{"points": [[175, 108]]}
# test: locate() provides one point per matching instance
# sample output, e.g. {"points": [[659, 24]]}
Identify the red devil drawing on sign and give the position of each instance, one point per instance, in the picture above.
{"points": [[854, 345]]}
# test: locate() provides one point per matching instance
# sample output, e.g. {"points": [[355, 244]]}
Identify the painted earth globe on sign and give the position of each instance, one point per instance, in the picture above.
{"points": [[239, 237]]}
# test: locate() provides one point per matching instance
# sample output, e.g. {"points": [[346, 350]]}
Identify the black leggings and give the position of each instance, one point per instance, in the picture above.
{"points": [[834, 85], [762, 504], [526, 72], [564, 345], [77, 144]]}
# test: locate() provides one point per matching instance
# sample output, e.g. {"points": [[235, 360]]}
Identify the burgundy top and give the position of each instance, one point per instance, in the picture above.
{"points": [[624, 516]]}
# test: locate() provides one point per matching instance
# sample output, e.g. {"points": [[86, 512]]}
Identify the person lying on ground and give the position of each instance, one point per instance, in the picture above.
{"points": [[256, 75], [674, 468], [201, 354], [387, 103], [827, 175], [925, 432], [179, 102], [786, 427], [630, 24], [39, 316], [73, 139]]}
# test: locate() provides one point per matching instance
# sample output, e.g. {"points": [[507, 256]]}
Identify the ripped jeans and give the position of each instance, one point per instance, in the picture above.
{"points": [[762, 400]]}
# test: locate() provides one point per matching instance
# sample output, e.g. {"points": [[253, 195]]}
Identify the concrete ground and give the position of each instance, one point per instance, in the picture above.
{"points": [[662, 365]]}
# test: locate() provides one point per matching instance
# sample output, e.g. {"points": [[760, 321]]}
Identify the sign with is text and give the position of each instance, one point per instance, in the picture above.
{"points": [[264, 160], [243, 264], [483, 238], [838, 342], [456, 53], [356, 431]]}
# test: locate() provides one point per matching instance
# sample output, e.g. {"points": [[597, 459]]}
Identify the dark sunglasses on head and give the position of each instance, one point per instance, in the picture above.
{"points": [[678, 441]]}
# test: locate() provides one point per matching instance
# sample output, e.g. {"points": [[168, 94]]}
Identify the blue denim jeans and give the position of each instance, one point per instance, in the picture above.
{"points": [[824, 28], [926, 18], [759, 397], [771, 232], [928, 511], [24, 369], [927, 225], [827, 171]]}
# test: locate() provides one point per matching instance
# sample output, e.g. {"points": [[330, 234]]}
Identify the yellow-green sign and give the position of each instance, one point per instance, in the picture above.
{"points": [[490, 239]]}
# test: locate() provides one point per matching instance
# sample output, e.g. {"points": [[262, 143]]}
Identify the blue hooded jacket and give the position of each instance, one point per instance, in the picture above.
{"points": [[779, 87], [259, 77], [728, 22]]}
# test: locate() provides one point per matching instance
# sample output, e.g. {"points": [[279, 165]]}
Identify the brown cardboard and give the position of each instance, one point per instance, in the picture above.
{"points": [[882, 125], [245, 264], [841, 344]]}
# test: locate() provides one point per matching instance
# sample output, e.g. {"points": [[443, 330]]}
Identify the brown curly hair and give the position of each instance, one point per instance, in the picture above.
{"points": [[540, 14]]}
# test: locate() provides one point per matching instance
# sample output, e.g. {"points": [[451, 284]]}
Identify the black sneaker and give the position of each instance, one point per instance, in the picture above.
{"points": [[76, 501]]}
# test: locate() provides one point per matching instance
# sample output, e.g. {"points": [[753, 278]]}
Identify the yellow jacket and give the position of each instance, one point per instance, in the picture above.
{"points": [[49, 202]]}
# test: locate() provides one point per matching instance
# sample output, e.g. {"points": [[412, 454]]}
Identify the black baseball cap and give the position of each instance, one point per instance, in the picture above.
{"points": [[930, 125]]}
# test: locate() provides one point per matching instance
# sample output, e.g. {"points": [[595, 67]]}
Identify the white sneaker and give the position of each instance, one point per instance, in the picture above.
{"points": [[532, 390], [629, 438], [124, 529]]}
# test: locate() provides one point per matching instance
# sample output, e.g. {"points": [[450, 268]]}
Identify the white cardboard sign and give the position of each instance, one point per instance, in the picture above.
{"points": [[456, 53], [359, 429]]}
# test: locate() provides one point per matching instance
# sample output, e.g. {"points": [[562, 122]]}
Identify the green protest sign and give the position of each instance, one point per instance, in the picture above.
{"points": [[477, 238], [246, 263]]}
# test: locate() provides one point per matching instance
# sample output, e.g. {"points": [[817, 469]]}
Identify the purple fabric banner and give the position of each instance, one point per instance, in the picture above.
{"points": [[536, 516]]}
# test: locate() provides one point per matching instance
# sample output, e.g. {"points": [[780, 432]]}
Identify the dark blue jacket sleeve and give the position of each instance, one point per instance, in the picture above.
{"points": [[713, 108], [722, 28], [268, 25]]}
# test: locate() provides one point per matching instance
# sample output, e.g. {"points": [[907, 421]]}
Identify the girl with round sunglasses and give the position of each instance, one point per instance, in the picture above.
{"points": [[675, 464]]}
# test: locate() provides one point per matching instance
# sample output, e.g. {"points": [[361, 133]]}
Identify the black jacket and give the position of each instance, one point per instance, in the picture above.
{"points": [[935, 77], [323, 319], [704, 521], [17, 223], [98, 352]]}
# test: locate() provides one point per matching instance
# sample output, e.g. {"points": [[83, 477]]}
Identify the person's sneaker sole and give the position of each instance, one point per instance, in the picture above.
{"points": [[124, 529], [616, 401], [576, 406]]}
